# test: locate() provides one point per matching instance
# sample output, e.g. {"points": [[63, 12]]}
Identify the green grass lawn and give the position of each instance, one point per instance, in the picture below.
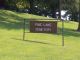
{"points": [[37, 46]]}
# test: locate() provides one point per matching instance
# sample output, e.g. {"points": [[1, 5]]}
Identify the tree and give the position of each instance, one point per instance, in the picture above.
{"points": [[74, 8], [79, 18]]}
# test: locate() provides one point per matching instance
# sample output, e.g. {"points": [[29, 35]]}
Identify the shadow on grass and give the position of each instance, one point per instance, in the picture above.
{"points": [[69, 32], [12, 21], [39, 42]]}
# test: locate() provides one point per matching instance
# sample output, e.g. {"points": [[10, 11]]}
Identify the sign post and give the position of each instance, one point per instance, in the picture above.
{"points": [[62, 33], [60, 2], [24, 29], [43, 27]]}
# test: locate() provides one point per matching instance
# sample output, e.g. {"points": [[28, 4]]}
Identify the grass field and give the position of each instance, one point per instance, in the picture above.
{"points": [[37, 46]]}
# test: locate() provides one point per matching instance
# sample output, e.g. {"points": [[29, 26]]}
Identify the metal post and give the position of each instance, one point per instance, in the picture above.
{"points": [[24, 29], [62, 33], [62, 22]]}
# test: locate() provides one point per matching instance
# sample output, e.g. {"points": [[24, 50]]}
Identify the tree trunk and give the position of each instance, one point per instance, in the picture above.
{"points": [[31, 6], [79, 26], [59, 9], [79, 18], [79, 22], [74, 16]]}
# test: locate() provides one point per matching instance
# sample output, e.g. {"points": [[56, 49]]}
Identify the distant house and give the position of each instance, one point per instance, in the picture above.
{"points": [[65, 16]]}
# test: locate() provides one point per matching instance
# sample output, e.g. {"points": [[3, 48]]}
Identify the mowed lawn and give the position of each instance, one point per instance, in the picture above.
{"points": [[36, 46]]}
